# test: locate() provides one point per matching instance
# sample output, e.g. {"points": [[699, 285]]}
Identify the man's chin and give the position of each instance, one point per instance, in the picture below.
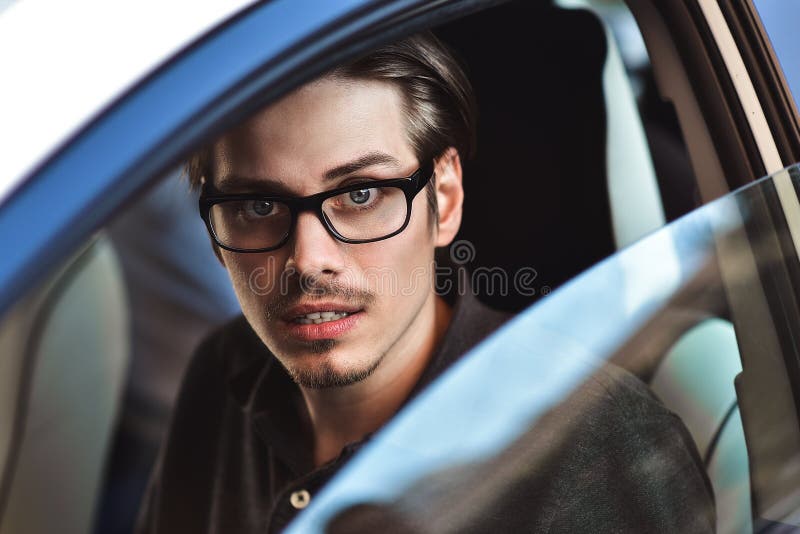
{"points": [[323, 374], [320, 346]]}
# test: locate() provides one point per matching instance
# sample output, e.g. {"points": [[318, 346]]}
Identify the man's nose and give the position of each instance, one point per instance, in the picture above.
{"points": [[314, 251]]}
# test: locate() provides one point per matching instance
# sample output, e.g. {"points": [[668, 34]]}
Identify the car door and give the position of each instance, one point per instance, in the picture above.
{"points": [[703, 55]]}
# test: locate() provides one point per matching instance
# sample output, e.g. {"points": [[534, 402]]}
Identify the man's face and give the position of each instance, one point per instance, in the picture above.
{"points": [[300, 146]]}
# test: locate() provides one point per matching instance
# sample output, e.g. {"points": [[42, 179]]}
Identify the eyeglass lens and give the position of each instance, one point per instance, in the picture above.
{"points": [[364, 214]]}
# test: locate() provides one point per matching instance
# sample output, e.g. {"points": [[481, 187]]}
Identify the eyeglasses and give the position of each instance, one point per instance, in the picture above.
{"points": [[357, 213]]}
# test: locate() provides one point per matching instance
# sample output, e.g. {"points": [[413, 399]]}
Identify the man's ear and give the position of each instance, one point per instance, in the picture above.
{"points": [[449, 196]]}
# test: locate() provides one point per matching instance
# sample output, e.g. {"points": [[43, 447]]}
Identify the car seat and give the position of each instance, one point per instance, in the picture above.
{"points": [[562, 178], [63, 357], [539, 172]]}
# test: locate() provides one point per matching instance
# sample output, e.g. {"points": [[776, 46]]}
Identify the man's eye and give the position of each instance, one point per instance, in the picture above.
{"points": [[356, 201], [259, 208], [361, 196]]}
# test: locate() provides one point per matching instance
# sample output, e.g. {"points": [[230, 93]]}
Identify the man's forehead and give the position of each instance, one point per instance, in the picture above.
{"points": [[317, 131], [328, 102]]}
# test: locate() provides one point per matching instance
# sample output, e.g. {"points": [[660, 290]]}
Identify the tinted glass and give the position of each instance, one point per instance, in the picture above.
{"points": [[682, 309]]}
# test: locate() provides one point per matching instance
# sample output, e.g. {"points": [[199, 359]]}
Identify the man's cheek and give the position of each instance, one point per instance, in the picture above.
{"points": [[252, 279], [260, 281]]}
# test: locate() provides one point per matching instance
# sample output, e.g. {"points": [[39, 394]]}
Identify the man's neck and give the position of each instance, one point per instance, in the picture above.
{"points": [[340, 416]]}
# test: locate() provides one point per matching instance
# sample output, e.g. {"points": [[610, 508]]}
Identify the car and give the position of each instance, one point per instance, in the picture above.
{"points": [[633, 199]]}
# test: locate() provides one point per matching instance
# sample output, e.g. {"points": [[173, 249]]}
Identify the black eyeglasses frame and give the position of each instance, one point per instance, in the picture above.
{"points": [[410, 185]]}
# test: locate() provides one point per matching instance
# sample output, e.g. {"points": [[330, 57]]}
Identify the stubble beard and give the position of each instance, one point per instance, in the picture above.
{"points": [[324, 375]]}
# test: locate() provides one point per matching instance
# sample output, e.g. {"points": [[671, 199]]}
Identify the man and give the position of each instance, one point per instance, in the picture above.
{"points": [[325, 209]]}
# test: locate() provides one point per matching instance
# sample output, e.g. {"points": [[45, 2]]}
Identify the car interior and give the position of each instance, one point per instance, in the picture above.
{"points": [[572, 165]]}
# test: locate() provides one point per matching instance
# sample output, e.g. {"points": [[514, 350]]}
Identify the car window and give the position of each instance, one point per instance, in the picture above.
{"points": [[570, 115], [674, 337]]}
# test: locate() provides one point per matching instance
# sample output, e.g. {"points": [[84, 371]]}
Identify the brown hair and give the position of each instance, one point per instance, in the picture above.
{"points": [[439, 104]]}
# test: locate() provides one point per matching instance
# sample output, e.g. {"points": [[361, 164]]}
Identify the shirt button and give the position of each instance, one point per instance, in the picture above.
{"points": [[300, 499]]}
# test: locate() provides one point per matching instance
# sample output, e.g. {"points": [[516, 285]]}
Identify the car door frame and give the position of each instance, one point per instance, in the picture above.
{"points": [[144, 134]]}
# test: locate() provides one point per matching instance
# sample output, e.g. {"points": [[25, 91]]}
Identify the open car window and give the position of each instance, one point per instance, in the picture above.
{"points": [[678, 308]]}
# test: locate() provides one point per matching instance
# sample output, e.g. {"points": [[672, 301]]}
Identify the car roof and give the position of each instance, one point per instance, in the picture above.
{"points": [[64, 62]]}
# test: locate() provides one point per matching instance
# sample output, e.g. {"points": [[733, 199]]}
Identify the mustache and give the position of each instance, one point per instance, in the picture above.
{"points": [[308, 289]]}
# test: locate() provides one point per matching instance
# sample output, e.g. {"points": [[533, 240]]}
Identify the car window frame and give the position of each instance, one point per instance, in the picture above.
{"points": [[127, 168]]}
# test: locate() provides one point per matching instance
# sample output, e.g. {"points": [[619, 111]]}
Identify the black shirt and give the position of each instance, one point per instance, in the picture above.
{"points": [[239, 455]]}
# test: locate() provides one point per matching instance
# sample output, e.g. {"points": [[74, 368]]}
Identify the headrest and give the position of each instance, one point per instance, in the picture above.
{"points": [[536, 194]]}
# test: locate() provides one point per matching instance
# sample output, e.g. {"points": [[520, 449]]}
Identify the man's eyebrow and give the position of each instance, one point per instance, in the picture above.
{"points": [[367, 160], [233, 182]]}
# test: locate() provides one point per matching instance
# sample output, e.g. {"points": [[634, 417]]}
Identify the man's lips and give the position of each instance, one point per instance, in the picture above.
{"points": [[311, 309], [321, 320], [328, 329]]}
